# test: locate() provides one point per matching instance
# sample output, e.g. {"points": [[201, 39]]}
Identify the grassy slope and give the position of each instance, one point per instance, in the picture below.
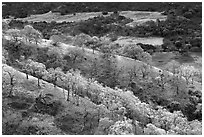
{"points": [[149, 40], [128, 63], [48, 17], [138, 17], [28, 89], [122, 62], [70, 120]]}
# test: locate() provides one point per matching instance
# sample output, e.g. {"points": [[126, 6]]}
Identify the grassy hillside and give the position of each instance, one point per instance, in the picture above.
{"points": [[100, 75], [69, 118], [25, 93], [151, 90]]}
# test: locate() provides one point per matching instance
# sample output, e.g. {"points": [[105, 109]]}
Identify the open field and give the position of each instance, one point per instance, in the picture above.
{"points": [[49, 17], [193, 58], [146, 40], [140, 17]]}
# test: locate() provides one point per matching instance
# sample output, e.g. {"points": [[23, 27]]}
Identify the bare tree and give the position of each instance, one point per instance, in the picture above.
{"points": [[162, 79], [11, 82], [53, 75], [38, 70], [144, 70], [188, 72], [31, 34]]}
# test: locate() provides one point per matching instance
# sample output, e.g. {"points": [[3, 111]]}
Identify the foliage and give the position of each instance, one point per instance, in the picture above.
{"points": [[108, 72], [81, 39], [103, 127], [21, 10], [12, 81], [52, 75], [153, 130], [31, 34], [121, 128], [133, 51], [73, 58], [172, 66], [53, 59], [136, 52], [14, 33], [188, 72], [37, 69], [56, 39], [119, 102]]}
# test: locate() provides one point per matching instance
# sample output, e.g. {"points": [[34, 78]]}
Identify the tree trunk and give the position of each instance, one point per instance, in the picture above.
{"points": [[54, 84], [26, 76], [11, 91], [38, 82], [77, 100], [55, 81], [68, 94]]}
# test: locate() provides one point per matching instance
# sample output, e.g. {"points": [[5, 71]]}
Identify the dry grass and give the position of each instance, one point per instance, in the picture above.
{"points": [[140, 17], [134, 40], [48, 17]]}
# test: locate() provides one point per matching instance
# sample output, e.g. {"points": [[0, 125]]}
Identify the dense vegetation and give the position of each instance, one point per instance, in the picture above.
{"points": [[21, 10], [182, 27], [94, 91]]}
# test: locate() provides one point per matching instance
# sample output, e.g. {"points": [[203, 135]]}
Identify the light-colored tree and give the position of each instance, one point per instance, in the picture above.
{"points": [[53, 75], [144, 70], [76, 55], [15, 34], [27, 31], [133, 73], [162, 79], [133, 51], [66, 82], [81, 39], [5, 56], [31, 34], [176, 80], [121, 128], [188, 72], [153, 130], [103, 127], [93, 43], [27, 68], [37, 36], [38, 70], [12, 80], [146, 57], [56, 39], [173, 66]]}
